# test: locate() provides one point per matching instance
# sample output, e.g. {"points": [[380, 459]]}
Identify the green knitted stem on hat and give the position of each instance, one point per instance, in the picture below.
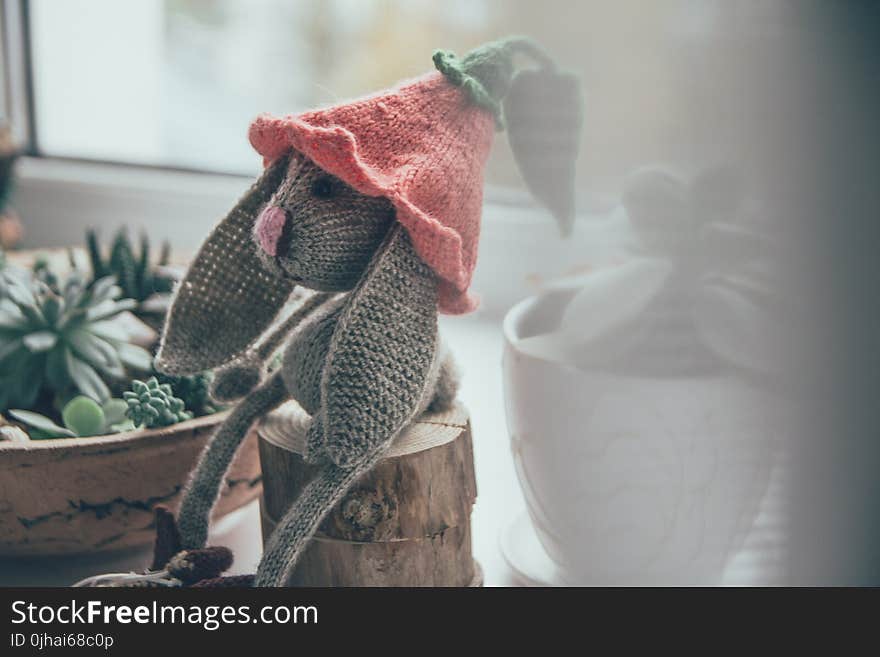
{"points": [[485, 73]]}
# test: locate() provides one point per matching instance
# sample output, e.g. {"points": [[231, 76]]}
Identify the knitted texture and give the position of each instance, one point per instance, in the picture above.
{"points": [[303, 364], [230, 582], [387, 333], [190, 566], [303, 518], [544, 114], [167, 542], [331, 231], [423, 146], [303, 311], [238, 378], [385, 330], [485, 73], [379, 199], [228, 285], [203, 487]]}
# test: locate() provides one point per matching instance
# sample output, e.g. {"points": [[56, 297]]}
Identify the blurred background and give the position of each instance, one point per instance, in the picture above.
{"points": [[135, 114], [174, 82]]}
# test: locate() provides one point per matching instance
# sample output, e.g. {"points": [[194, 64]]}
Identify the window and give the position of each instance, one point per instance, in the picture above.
{"points": [[176, 82]]}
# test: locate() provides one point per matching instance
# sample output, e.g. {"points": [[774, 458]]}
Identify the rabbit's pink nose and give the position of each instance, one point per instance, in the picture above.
{"points": [[270, 228]]}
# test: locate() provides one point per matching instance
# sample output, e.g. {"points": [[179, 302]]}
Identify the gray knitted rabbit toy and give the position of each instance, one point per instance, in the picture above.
{"points": [[361, 364], [375, 206]]}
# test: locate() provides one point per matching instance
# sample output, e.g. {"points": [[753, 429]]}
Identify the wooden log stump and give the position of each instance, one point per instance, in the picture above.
{"points": [[404, 523]]}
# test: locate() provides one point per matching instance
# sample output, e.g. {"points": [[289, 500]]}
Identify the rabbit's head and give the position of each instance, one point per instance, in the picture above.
{"points": [[317, 231]]}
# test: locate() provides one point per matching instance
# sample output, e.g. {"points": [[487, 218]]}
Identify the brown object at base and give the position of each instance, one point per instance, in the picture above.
{"points": [[78, 495], [405, 523]]}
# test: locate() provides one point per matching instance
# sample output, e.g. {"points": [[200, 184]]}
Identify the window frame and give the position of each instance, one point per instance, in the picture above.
{"points": [[17, 74]]}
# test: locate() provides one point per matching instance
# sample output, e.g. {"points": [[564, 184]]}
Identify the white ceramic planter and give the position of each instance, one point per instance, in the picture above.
{"points": [[630, 479]]}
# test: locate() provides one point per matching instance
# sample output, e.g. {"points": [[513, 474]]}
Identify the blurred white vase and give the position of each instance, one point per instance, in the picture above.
{"points": [[635, 479]]}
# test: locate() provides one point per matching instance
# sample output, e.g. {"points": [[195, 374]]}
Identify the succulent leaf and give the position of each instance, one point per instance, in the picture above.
{"points": [[151, 404], [84, 416], [81, 416], [98, 268], [165, 254], [109, 330], [63, 341], [115, 411], [86, 379], [109, 308], [40, 341], [42, 423], [135, 274], [134, 357], [193, 390], [723, 295]]}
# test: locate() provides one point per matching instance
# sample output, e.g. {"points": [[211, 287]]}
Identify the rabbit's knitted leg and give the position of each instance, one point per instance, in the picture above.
{"points": [[301, 521], [204, 484]]}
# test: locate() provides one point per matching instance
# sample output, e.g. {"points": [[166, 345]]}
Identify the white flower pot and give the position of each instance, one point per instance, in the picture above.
{"points": [[635, 479]]}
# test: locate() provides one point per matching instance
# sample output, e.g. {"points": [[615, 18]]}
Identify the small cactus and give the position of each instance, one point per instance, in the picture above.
{"points": [[151, 404]]}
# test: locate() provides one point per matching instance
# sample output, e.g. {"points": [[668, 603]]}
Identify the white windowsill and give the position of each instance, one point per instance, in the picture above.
{"points": [[58, 199]]}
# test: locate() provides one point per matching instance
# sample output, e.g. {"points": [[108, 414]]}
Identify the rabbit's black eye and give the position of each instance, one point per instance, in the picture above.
{"points": [[323, 187]]}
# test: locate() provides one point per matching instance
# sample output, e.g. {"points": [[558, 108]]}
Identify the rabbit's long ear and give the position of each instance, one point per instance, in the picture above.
{"points": [[228, 297], [381, 354]]}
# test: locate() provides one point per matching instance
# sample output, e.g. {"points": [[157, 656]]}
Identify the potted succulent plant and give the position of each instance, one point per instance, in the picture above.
{"points": [[644, 399], [87, 448]]}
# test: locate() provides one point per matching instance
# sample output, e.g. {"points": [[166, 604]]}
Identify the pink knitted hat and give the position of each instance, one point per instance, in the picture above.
{"points": [[422, 145]]}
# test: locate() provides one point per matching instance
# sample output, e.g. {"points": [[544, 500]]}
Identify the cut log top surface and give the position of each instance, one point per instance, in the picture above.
{"points": [[286, 428]]}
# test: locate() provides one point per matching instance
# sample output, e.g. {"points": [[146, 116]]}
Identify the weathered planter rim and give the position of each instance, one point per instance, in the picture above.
{"points": [[51, 445], [511, 329]]}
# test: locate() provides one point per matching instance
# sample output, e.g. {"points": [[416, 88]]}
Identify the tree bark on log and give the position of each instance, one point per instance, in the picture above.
{"points": [[404, 523]]}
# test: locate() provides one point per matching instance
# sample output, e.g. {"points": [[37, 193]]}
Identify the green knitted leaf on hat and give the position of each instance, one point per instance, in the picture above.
{"points": [[544, 115], [485, 73], [542, 110]]}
